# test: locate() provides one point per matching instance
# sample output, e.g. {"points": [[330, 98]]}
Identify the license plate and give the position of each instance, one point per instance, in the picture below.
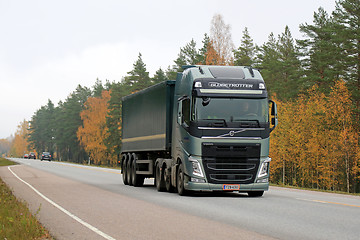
{"points": [[231, 187]]}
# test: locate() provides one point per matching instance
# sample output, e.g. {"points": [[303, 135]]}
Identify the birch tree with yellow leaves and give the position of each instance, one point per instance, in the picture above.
{"points": [[92, 133]]}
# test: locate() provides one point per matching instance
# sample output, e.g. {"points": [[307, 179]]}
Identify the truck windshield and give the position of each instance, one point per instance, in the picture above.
{"points": [[231, 109]]}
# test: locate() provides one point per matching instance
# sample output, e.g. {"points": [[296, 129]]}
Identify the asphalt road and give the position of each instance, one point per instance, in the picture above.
{"points": [[81, 202]]}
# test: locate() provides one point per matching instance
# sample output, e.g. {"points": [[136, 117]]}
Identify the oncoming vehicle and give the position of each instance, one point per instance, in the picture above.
{"points": [[32, 155], [46, 156]]}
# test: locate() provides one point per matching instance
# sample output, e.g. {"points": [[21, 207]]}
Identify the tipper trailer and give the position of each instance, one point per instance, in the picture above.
{"points": [[207, 131]]}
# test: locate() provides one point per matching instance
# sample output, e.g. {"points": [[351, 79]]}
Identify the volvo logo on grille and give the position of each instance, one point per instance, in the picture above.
{"points": [[231, 133]]}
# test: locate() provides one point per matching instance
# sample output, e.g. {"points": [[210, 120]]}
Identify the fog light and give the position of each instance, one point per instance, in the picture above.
{"points": [[197, 180], [265, 180]]}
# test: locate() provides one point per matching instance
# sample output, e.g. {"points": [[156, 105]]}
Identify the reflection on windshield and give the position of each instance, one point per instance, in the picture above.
{"points": [[231, 109]]}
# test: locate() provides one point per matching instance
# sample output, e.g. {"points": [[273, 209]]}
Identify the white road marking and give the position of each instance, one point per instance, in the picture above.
{"points": [[94, 229]]}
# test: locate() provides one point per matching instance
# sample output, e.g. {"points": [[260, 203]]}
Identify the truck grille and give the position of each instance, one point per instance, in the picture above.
{"points": [[235, 163]]}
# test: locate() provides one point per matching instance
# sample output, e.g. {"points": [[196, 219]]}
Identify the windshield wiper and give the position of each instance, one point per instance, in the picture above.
{"points": [[223, 121], [249, 121]]}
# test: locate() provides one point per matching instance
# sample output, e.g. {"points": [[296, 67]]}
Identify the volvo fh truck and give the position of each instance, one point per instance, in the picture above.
{"points": [[207, 131]]}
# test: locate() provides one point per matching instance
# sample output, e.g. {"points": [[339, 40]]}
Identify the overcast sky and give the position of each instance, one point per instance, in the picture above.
{"points": [[48, 47]]}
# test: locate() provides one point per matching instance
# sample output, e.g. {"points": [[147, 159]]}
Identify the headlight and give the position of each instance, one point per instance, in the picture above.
{"points": [[264, 168], [196, 167]]}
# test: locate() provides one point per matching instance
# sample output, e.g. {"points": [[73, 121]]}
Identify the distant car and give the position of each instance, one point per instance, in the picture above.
{"points": [[32, 155], [26, 155], [46, 156]]}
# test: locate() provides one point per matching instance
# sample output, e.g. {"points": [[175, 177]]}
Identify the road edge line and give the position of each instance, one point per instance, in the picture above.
{"points": [[79, 220]]}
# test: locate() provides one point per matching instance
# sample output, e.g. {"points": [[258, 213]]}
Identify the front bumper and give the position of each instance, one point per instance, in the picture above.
{"points": [[193, 186]]}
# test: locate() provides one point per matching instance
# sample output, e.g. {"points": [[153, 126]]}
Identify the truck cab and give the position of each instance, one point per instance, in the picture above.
{"points": [[221, 127]]}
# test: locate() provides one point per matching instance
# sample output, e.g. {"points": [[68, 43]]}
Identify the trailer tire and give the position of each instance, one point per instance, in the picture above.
{"points": [[129, 170], [124, 170], [137, 180], [180, 181], [159, 179]]}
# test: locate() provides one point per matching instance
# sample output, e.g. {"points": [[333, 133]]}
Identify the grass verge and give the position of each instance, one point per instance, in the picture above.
{"points": [[16, 221], [5, 162]]}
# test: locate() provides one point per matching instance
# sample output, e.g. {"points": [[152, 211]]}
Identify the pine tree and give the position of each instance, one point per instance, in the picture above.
{"points": [[203, 50], [320, 54], [267, 61], [67, 122], [289, 66], [42, 129], [113, 119], [244, 55], [138, 78], [159, 76], [98, 88], [347, 36]]}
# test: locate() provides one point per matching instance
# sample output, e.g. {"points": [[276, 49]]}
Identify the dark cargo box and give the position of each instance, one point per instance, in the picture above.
{"points": [[147, 119]]}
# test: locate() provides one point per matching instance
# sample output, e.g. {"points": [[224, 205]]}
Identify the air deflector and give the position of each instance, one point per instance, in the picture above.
{"points": [[227, 72]]}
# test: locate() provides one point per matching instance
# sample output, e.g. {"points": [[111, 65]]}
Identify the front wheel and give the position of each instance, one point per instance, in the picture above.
{"points": [[180, 181]]}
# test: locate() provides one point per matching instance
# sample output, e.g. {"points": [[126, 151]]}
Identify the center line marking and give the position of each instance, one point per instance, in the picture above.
{"points": [[94, 229]]}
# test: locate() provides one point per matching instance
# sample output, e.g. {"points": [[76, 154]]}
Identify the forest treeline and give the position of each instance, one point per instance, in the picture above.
{"points": [[315, 81]]}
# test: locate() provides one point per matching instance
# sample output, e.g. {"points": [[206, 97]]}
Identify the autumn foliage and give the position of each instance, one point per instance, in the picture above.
{"points": [[20, 144], [315, 144], [93, 132]]}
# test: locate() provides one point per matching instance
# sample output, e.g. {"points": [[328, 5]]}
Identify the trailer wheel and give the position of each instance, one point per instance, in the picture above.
{"points": [[159, 179], [137, 180], [124, 169], [180, 181], [129, 170]]}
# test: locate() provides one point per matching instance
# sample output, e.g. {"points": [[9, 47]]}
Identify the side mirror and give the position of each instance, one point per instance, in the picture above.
{"points": [[273, 113]]}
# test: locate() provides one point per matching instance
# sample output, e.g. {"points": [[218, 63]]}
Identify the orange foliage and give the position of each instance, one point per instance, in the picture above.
{"points": [[93, 132], [315, 144], [212, 57], [20, 144]]}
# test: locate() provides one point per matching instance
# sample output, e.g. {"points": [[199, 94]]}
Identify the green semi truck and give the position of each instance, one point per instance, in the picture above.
{"points": [[207, 131]]}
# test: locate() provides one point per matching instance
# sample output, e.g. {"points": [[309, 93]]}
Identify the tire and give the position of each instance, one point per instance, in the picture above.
{"points": [[167, 178], [129, 170], [180, 181], [159, 179], [124, 170], [255, 193], [137, 180]]}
